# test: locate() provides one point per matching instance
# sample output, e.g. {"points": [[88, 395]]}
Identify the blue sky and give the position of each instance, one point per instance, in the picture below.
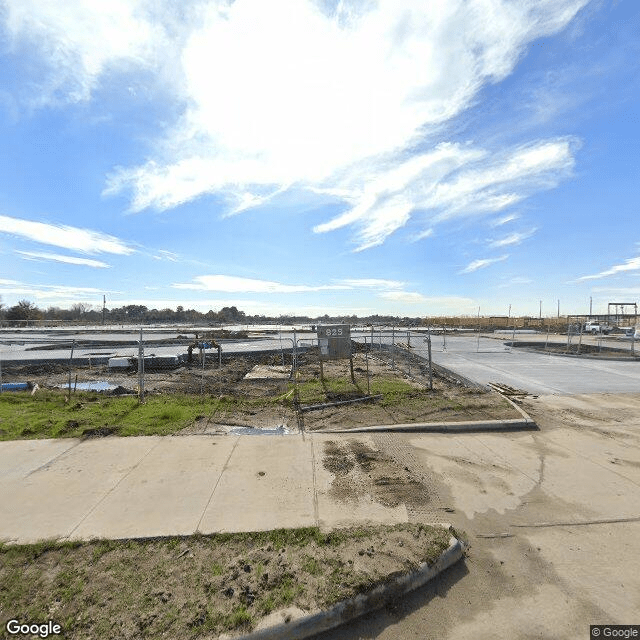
{"points": [[316, 156]]}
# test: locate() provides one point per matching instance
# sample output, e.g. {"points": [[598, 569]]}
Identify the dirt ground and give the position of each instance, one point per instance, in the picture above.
{"points": [[271, 403], [584, 349], [203, 586]]}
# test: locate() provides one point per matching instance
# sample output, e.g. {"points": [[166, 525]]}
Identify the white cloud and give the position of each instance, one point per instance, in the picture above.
{"points": [[374, 283], [80, 40], [48, 294], [632, 264], [498, 222], [280, 94], [234, 284], [515, 281], [167, 255], [55, 257], [442, 304], [331, 101], [512, 239], [491, 186], [449, 182], [481, 264], [74, 238], [427, 233]]}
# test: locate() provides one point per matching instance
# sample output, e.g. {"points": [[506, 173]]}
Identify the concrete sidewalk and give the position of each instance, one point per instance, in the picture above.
{"points": [[173, 485]]}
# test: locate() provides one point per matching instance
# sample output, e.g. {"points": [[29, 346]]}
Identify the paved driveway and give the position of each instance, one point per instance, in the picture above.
{"points": [[533, 372], [553, 518]]}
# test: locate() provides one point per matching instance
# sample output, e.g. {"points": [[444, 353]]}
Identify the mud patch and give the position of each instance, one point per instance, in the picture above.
{"points": [[359, 470]]}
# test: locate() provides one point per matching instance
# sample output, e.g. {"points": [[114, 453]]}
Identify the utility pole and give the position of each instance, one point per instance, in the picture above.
{"points": [[509, 316], [590, 306], [540, 316], [558, 309], [104, 307]]}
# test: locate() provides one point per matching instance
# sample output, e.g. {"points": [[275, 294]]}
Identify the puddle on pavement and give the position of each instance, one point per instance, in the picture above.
{"points": [[252, 431], [94, 385]]}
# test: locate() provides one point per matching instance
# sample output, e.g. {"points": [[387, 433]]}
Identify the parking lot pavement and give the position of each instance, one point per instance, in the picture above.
{"points": [[535, 373]]}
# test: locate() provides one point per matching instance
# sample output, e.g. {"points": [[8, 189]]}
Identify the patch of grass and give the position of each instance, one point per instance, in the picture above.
{"points": [[145, 588], [395, 390], [311, 565], [239, 617], [47, 415]]}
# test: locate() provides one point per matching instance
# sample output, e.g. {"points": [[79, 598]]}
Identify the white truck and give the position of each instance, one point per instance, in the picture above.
{"points": [[596, 327]]}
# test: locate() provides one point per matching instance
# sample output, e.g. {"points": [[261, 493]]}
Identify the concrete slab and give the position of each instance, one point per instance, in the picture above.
{"points": [[606, 452], [166, 494], [53, 500], [479, 479], [19, 458], [268, 372], [267, 483], [536, 373], [338, 510]]}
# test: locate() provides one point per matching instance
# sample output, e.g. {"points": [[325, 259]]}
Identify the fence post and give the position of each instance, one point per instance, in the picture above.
{"points": [[140, 370], [73, 344], [366, 359], [294, 356], [393, 348], [546, 344], [203, 351], [580, 339], [430, 367]]}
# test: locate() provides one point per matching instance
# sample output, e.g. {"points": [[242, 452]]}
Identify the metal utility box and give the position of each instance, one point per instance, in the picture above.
{"points": [[334, 341]]}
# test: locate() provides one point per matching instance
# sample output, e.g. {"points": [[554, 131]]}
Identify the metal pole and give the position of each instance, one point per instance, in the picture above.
{"points": [[73, 344], [203, 354], [140, 369], [478, 349], [294, 358], [580, 339], [547, 341], [430, 367], [0, 373], [366, 359], [444, 337], [393, 347], [409, 350]]}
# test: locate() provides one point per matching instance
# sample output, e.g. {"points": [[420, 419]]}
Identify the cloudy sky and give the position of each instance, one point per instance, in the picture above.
{"points": [[321, 156]]}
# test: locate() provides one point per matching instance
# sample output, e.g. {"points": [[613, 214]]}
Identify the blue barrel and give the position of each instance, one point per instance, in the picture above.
{"points": [[15, 386]]}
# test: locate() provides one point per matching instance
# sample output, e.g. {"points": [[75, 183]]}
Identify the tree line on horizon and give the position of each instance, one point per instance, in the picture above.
{"points": [[26, 311]]}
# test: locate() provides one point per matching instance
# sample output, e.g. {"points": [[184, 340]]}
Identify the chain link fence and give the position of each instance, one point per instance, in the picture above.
{"points": [[576, 339], [218, 363]]}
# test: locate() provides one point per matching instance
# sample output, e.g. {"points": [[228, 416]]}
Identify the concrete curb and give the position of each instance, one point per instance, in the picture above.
{"points": [[443, 427], [348, 610]]}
